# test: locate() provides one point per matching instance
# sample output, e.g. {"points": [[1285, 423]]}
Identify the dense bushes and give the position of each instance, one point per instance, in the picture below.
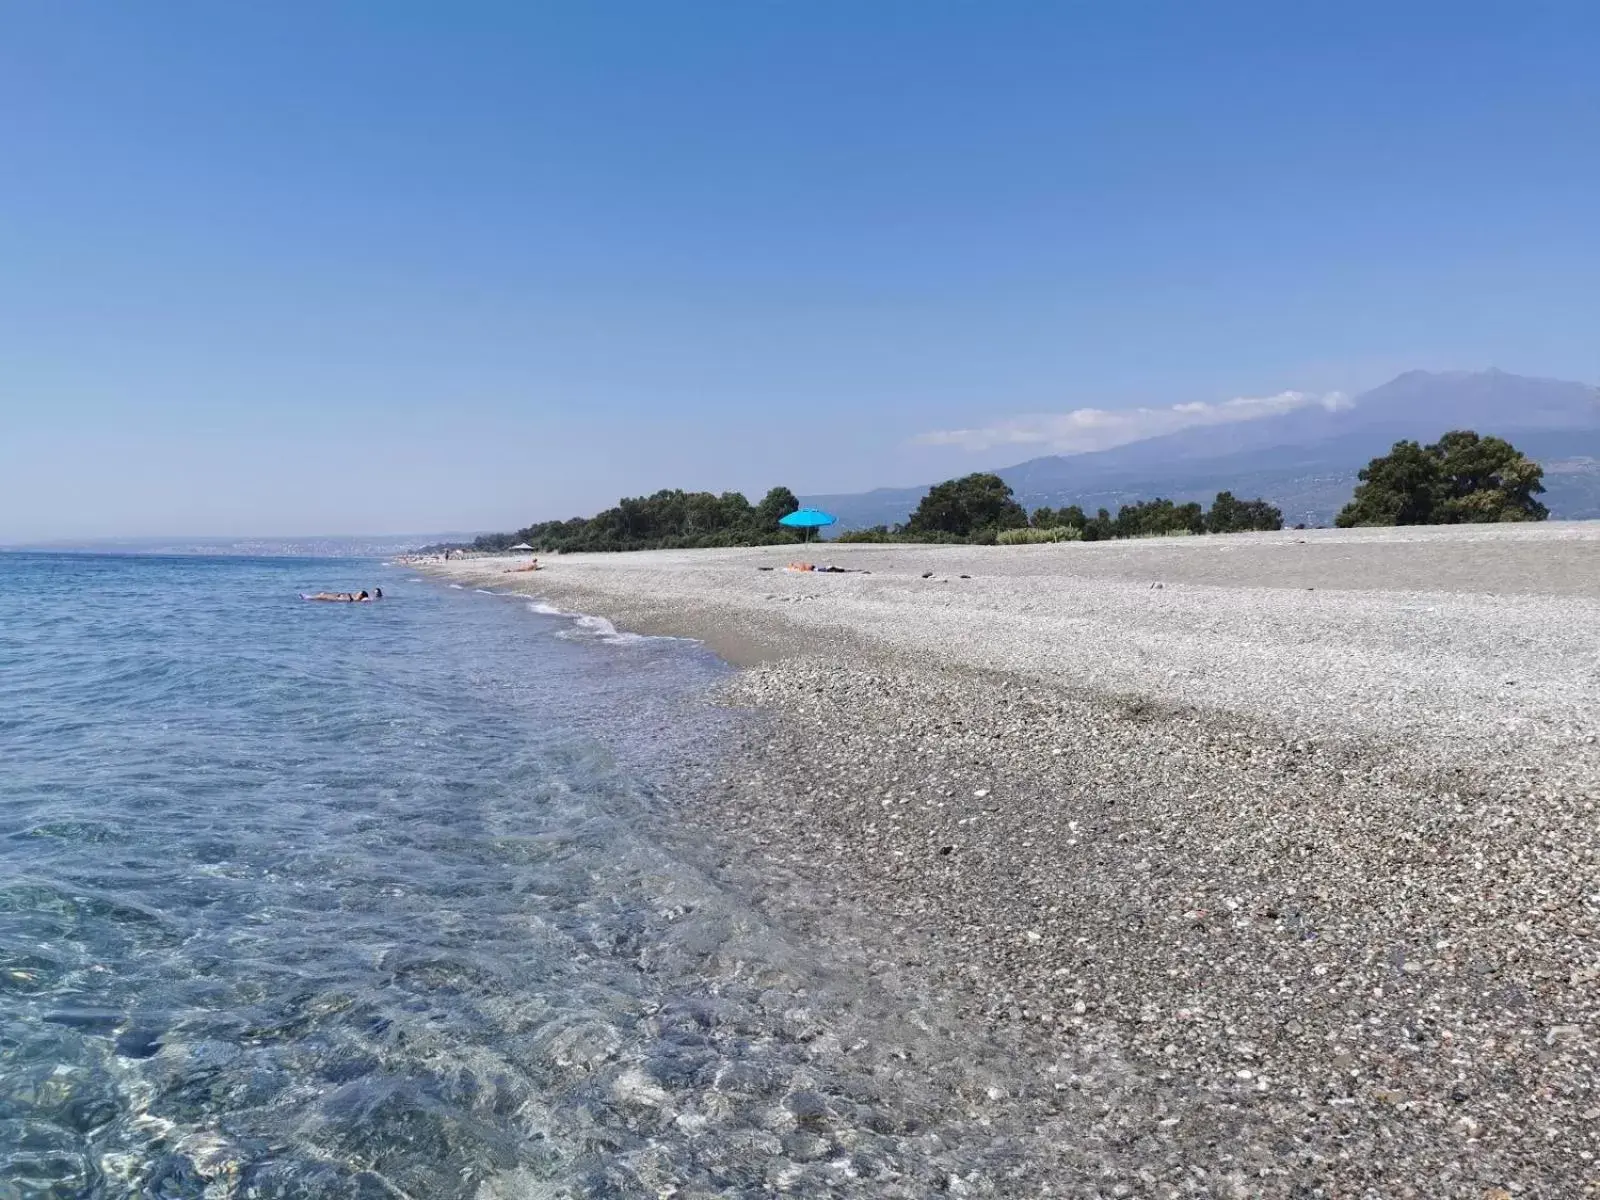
{"points": [[1029, 536], [1152, 518], [980, 508], [875, 533], [1229, 515], [1164, 518], [898, 533], [668, 520]]}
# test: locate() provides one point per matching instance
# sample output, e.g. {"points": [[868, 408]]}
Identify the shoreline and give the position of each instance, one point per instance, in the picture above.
{"points": [[1337, 935], [1501, 648]]}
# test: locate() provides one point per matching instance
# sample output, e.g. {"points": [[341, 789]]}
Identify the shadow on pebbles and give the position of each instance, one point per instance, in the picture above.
{"points": [[1248, 965]]}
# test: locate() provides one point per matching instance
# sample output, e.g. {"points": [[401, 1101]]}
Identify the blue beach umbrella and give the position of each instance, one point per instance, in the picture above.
{"points": [[807, 519]]}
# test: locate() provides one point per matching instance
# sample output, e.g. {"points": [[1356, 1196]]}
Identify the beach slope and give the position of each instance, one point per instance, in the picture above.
{"points": [[1284, 844]]}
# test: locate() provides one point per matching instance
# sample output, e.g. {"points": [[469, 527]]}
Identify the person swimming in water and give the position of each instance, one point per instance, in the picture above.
{"points": [[361, 597]]}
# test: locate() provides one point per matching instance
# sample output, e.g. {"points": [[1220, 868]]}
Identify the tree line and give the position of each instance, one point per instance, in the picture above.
{"points": [[1460, 478], [668, 520], [982, 508]]}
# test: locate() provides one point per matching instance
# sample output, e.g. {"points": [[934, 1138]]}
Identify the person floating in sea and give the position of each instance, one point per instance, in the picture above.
{"points": [[360, 597]]}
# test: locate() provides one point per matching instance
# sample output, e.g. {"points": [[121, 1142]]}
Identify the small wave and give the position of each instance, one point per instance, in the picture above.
{"points": [[601, 630], [457, 587], [483, 591], [597, 629]]}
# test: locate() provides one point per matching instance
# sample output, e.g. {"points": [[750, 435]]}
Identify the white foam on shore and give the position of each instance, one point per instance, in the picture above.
{"points": [[591, 628], [458, 587], [602, 630]]}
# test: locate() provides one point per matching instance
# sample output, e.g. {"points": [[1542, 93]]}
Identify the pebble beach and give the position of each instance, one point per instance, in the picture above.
{"points": [[1273, 856]]}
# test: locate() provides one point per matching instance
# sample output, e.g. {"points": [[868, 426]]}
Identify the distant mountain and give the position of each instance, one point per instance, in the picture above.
{"points": [[1306, 461]]}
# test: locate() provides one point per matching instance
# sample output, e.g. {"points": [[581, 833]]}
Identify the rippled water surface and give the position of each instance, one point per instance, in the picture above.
{"points": [[379, 900]]}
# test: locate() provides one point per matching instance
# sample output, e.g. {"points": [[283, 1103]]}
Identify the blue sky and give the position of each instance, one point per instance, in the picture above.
{"points": [[322, 267]]}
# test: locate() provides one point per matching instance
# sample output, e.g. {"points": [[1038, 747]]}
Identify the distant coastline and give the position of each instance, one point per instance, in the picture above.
{"points": [[331, 546]]}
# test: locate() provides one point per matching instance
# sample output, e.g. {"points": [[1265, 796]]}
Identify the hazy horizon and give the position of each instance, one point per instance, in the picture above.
{"points": [[198, 540]]}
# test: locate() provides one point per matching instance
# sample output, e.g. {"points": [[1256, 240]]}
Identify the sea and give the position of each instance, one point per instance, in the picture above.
{"points": [[407, 899]]}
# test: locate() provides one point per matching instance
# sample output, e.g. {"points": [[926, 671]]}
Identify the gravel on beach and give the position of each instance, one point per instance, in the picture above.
{"points": [[1285, 843]]}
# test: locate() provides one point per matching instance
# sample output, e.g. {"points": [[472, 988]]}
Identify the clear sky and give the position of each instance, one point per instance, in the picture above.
{"points": [[326, 267]]}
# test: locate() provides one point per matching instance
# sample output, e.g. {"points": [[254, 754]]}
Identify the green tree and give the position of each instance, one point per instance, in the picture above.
{"points": [[1099, 527], [1071, 516], [1460, 478], [965, 507], [1224, 514], [774, 506], [1148, 518], [702, 514], [736, 512], [1229, 514], [1486, 479], [1399, 488]]}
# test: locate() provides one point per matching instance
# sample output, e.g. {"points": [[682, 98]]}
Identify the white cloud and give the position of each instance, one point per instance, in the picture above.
{"points": [[1085, 429]]}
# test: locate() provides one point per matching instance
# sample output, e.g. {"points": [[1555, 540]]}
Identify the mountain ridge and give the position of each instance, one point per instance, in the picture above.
{"points": [[1306, 460]]}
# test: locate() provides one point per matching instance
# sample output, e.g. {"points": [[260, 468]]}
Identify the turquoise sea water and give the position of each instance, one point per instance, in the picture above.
{"points": [[392, 900]]}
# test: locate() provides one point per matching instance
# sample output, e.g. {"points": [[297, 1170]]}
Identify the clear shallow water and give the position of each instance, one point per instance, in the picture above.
{"points": [[379, 900]]}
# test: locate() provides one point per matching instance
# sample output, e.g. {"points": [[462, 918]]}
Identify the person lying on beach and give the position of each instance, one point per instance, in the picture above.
{"points": [[533, 566]]}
